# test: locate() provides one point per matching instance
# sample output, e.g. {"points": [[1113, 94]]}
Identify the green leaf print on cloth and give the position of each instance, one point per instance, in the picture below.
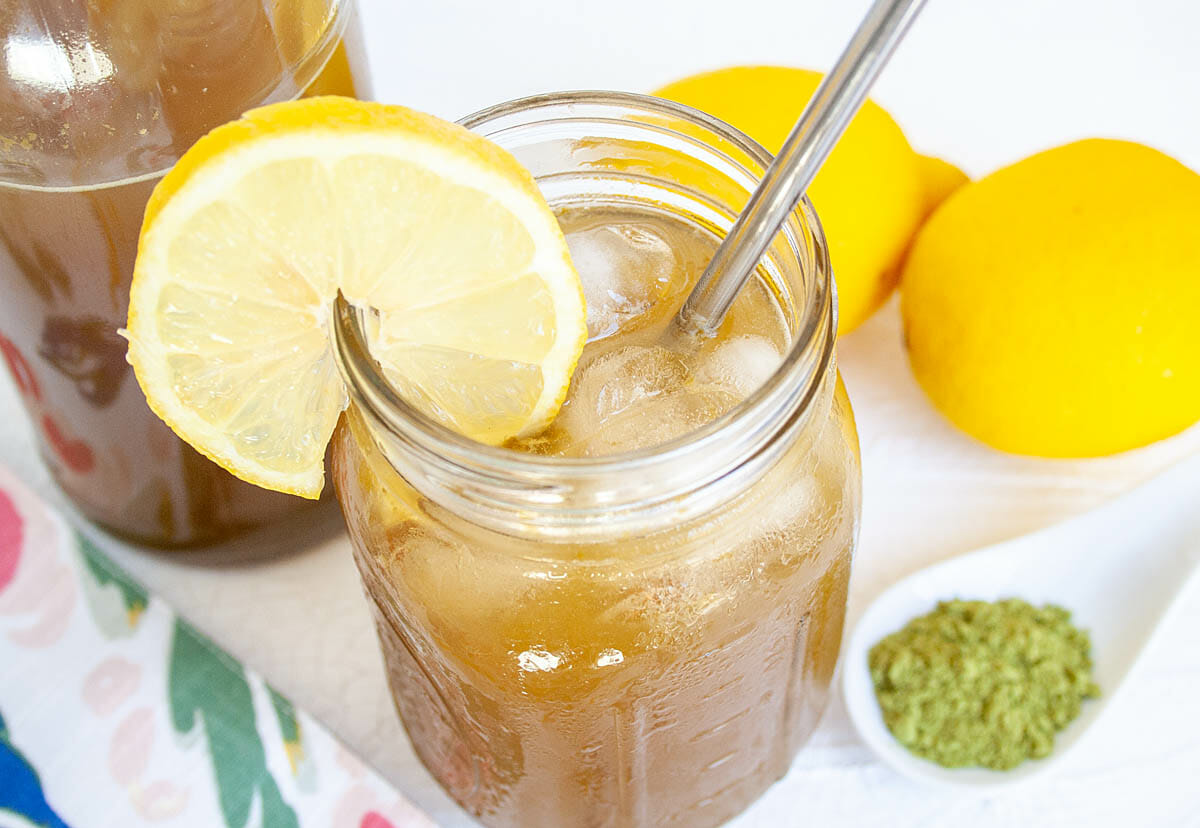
{"points": [[208, 687], [289, 727], [116, 600]]}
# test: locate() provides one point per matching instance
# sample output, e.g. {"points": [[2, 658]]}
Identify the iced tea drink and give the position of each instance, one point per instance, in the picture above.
{"points": [[634, 617], [97, 100]]}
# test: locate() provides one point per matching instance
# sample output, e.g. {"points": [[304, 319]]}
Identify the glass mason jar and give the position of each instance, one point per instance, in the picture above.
{"points": [[97, 101], [638, 639]]}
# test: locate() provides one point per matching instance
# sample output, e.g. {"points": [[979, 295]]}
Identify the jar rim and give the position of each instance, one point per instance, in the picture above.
{"points": [[794, 382]]}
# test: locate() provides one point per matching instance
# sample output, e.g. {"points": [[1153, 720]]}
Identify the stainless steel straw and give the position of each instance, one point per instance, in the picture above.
{"points": [[823, 121]]}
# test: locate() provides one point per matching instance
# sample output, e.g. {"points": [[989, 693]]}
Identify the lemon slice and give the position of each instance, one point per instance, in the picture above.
{"points": [[248, 240]]}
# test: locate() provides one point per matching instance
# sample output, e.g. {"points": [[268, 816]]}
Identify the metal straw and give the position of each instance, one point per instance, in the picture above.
{"points": [[822, 123]]}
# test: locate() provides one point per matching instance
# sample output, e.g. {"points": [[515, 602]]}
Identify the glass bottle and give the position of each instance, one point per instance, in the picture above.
{"points": [[98, 98]]}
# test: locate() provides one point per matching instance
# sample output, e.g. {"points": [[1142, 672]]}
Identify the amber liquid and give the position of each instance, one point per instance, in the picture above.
{"points": [[75, 174], [664, 677]]}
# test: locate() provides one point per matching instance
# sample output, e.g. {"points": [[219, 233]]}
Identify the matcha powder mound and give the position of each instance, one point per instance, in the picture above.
{"points": [[977, 683]]}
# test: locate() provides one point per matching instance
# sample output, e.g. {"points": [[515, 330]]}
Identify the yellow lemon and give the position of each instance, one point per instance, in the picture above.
{"points": [[1052, 308], [442, 236], [870, 194], [942, 179]]}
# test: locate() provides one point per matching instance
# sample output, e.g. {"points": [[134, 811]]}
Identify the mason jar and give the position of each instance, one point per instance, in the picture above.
{"points": [[643, 638]]}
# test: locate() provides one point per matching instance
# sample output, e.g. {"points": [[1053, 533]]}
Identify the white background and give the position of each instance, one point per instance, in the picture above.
{"points": [[979, 83]]}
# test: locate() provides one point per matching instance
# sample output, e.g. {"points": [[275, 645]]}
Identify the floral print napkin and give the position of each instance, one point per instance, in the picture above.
{"points": [[116, 712]]}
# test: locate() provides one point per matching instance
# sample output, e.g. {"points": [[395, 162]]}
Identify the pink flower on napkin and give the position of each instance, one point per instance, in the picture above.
{"points": [[33, 580], [12, 531], [110, 683], [365, 806]]}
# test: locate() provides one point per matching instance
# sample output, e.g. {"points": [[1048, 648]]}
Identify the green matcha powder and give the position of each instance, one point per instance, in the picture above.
{"points": [[977, 683]]}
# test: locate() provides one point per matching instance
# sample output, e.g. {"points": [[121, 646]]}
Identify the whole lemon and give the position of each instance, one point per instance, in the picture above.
{"points": [[870, 194], [1053, 307], [942, 179]]}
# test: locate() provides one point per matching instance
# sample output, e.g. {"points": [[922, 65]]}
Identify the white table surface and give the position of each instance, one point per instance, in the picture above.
{"points": [[979, 83]]}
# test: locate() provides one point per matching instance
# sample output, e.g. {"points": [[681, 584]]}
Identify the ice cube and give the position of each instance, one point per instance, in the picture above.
{"points": [[635, 397], [627, 270], [613, 381], [740, 366]]}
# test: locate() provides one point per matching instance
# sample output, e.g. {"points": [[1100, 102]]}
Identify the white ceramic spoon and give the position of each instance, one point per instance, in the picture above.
{"points": [[1121, 569]]}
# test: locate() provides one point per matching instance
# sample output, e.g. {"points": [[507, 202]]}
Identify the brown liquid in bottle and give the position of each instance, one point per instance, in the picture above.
{"points": [[97, 99]]}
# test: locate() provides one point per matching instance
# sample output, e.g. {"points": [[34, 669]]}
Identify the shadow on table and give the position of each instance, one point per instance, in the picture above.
{"points": [[298, 534]]}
